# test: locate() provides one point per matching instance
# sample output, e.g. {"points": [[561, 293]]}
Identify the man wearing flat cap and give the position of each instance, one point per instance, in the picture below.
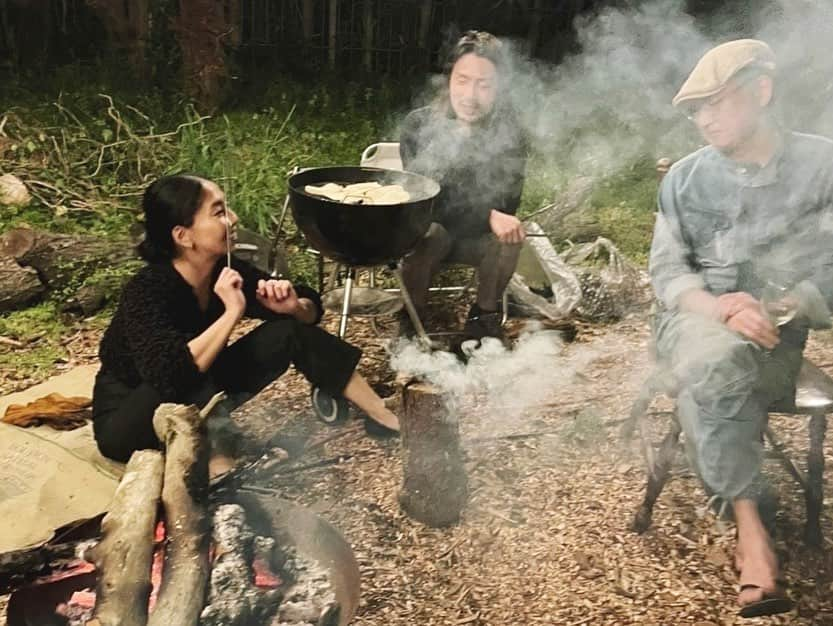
{"points": [[742, 266]]}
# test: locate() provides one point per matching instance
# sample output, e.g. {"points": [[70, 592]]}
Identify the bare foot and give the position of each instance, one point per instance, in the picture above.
{"points": [[759, 574], [218, 465]]}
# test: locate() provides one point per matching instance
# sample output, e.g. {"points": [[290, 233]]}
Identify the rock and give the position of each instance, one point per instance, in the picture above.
{"points": [[13, 192]]}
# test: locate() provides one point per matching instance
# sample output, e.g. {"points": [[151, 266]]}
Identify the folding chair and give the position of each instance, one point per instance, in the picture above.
{"points": [[813, 398]]}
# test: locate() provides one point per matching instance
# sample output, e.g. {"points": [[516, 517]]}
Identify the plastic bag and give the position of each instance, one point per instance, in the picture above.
{"points": [[610, 286]]}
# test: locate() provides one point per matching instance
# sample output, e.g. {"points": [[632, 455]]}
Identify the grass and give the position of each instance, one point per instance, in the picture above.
{"points": [[95, 153], [41, 328]]}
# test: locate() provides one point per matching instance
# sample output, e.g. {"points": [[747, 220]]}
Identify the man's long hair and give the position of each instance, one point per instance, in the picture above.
{"points": [[484, 45]]}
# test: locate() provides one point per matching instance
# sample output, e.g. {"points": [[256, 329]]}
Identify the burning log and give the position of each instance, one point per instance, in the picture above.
{"points": [[123, 556], [234, 599], [184, 497], [435, 486]]}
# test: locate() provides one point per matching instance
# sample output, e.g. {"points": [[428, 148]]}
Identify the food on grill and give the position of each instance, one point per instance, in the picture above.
{"points": [[361, 193]]}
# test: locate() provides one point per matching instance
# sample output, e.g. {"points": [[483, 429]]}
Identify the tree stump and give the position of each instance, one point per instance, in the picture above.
{"points": [[435, 486], [185, 500], [123, 556]]}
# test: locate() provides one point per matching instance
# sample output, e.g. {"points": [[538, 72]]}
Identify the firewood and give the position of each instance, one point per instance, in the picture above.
{"points": [[123, 556], [184, 498], [435, 485], [233, 599], [19, 567]]}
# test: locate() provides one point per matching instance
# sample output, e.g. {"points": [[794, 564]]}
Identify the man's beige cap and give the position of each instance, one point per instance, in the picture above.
{"points": [[719, 64]]}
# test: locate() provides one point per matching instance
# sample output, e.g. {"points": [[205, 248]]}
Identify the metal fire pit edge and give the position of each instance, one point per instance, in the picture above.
{"points": [[317, 539]]}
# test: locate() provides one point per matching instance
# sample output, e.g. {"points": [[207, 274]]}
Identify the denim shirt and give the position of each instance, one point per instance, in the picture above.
{"points": [[725, 226]]}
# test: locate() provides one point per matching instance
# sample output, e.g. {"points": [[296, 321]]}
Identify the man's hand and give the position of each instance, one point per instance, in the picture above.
{"points": [[730, 304], [507, 228], [278, 296], [755, 325]]}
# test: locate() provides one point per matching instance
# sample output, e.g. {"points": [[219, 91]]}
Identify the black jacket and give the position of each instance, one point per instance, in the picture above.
{"points": [[477, 172], [158, 314]]}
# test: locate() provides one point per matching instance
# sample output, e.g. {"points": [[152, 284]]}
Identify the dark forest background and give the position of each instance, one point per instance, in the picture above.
{"points": [[212, 49]]}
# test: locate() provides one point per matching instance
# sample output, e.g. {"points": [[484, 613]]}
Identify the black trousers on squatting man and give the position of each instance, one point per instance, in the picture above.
{"points": [[123, 415]]}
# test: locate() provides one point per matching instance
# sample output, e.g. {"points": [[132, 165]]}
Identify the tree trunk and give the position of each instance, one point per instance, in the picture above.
{"points": [[534, 32], [201, 31], [52, 261], [435, 486], [234, 19], [184, 498], [332, 39], [18, 285], [127, 28], [308, 20], [57, 257], [124, 554], [367, 32], [425, 31]]}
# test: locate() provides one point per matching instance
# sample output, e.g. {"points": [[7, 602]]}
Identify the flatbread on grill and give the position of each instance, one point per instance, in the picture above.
{"points": [[361, 193]]}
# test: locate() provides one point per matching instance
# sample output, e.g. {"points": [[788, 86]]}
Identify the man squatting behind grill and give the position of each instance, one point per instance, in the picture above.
{"points": [[749, 211], [168, 340], [469, 141]]}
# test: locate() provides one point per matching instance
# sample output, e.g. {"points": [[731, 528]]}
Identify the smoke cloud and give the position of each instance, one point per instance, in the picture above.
{"points": [[599, 110], [511, 380]]}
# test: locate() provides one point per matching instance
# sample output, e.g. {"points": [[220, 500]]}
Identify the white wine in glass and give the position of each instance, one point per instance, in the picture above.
{"points": [[778, 304]]}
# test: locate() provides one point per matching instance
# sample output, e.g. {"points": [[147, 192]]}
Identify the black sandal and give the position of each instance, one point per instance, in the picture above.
{"points": [[770, 604]]}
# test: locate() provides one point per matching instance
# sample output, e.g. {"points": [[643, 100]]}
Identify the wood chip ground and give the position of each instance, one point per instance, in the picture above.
{"points": [[544, 538]]}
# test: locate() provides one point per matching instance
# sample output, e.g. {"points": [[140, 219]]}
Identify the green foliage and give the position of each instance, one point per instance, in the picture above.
{"points": [[21, 325], [624, 205], [40, 328]]}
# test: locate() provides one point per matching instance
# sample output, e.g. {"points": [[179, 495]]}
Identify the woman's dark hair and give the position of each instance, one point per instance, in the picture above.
{"points": [[168, 201]]}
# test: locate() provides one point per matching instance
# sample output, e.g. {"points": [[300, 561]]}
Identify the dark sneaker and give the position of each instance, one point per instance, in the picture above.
{"points": [[480, 324]]}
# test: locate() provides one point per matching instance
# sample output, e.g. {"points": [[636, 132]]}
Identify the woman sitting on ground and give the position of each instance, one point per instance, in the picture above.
{"points": [[168, 340]]}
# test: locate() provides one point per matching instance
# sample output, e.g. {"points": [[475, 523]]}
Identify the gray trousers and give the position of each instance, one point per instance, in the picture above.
{"points": [[726, 385], [495, 263]]}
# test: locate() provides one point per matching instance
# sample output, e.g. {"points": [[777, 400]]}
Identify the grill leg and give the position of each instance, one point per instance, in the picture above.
{"points": [[657, 477], [410, 308], [345, 307], [814, 493]]}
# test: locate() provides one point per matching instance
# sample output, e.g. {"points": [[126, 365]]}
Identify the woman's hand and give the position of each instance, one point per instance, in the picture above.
{"points": [[229, 288], [278, 296]]}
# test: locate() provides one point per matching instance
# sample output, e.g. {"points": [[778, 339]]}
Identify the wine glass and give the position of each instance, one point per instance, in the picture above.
{"points": [[778, 303]]}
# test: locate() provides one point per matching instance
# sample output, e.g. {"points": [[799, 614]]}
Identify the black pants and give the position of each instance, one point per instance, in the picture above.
{"points": [[495, 263], [123, 415]]}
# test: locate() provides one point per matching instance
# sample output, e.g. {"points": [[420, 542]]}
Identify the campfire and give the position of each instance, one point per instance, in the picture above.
{"points": [[231, 559]]}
